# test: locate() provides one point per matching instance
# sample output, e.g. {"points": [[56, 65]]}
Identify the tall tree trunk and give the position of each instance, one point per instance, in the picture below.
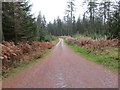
{"points": [[71, 11]]}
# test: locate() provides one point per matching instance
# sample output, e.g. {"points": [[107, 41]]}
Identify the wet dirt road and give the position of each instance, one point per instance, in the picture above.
{"points": [[63, 68]]}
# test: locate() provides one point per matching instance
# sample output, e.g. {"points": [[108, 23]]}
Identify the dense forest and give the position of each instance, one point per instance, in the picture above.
{"points": [[19, 24], [100, 19]]}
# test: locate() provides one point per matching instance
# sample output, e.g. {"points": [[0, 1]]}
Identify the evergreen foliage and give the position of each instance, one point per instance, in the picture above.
{"points": [[100, 19], [17, 22]]}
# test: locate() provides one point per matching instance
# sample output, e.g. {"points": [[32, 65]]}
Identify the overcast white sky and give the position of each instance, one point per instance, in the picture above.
{"points": [[54, 8]]}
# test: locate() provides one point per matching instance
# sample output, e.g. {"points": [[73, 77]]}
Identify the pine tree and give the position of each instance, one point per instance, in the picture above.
{"points": [[18, 24]]}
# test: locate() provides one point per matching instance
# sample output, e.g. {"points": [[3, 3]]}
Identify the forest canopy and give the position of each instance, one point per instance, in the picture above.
{"points": [[100, 19]]}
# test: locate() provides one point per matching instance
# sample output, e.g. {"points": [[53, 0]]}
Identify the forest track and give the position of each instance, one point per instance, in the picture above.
{"points": [[63, 68]]}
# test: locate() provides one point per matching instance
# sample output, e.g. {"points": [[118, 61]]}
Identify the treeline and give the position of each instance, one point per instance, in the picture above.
{"points": [[100, 19], [18, 24]]}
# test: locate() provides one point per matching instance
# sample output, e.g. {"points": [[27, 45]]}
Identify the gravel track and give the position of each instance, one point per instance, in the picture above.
{"points": [[63, 68]]}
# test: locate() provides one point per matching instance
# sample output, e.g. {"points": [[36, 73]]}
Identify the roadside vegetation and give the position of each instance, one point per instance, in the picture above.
{"points": [[24, 65], [25, 37], [23, 53], [101, 51]]}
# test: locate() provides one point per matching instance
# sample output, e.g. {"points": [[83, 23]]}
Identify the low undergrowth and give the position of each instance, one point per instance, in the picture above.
{"points": [[16, 58], [23, 65], [107, 56]]}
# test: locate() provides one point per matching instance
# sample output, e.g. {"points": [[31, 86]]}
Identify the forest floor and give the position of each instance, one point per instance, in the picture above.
{"points": [[63, 68]]}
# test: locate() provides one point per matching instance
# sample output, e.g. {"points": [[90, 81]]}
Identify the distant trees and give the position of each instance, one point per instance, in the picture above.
{"points": [[114, 22], [100, 19], [60, 27], [41, 28], [70, 10], [70, 18], [91, 8]]}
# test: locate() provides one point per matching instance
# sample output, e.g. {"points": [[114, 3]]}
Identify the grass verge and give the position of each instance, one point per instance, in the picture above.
{"points": [[107, 60]]}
